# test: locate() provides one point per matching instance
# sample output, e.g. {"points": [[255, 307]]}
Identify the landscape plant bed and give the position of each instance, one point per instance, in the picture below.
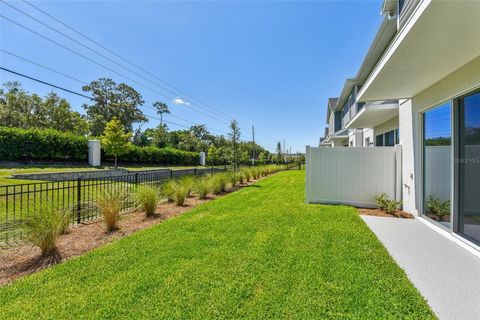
{"points": [[380, 213], [18, 261]]}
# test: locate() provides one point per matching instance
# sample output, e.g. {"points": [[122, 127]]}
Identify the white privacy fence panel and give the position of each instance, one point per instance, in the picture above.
{"points": [[352, 176]]}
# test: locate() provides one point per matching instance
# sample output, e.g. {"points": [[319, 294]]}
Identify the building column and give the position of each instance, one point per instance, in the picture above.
{"points": [[408, 133]]}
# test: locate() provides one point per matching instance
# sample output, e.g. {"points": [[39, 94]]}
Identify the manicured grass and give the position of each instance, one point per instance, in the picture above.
{"points": [[256, 253]]}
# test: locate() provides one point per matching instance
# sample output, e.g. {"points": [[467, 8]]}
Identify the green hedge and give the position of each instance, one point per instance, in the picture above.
{"points": [[41, 145], [154, 155], [51, 145]]}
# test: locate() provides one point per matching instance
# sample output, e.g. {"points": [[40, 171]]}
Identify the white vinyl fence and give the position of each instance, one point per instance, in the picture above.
{"points": [[352, 176]]}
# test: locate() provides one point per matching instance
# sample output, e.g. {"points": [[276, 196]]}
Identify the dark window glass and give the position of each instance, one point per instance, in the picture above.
{"points": [[469, 166], [390, 138], [379, 140], [397, 136]]}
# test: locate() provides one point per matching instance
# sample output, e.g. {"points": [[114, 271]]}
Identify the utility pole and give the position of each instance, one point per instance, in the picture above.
{"points": [[283, 151], [253, 138]]}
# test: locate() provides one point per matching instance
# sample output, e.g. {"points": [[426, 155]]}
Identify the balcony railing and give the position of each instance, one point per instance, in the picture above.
{"points": [[352, 111]]}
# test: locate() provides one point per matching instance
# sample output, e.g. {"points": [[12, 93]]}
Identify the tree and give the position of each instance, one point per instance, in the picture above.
{"points": [[212, 155], [160, 137], [279, 151], [115, 141], [111, 100], [234, 136], [20, 109], [161, 109], [245, 157]]}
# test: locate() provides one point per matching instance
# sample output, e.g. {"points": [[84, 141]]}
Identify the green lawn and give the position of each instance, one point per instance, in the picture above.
{"points": [[257, 253]]}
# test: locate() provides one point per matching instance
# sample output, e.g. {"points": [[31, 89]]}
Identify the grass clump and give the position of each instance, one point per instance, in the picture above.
{"points": [[44, 228], [203, 186], [146, 198], [189, 183], [110, 202], [219, 183], [176, 191]]}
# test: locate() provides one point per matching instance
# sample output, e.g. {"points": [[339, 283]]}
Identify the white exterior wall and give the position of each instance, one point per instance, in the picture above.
{"points": [[355, 138], [457, 83], [368, 135]]}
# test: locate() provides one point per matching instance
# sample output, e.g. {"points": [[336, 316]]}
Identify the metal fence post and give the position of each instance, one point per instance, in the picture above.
{"points": [[136, 178], [195, 171], [79, 200], [171, 173]]}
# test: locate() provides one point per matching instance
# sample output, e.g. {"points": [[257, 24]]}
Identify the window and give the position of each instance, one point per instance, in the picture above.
{"points": [[397, 137], [367, 142], [379, 140], [389, 140], [468, 166], [437, 161]]}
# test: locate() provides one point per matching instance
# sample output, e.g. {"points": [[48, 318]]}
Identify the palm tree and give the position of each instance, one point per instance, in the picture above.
{"points": [[161, 109]]}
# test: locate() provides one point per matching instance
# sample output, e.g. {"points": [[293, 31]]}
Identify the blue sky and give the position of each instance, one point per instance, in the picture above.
{"points": [[270, 64]]}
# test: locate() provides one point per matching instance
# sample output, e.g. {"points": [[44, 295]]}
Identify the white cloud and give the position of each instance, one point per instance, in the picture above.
{"points": [[181, 101]]}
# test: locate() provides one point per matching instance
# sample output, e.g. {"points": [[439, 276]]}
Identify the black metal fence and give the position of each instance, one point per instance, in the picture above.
{"points": [[20, 201]]}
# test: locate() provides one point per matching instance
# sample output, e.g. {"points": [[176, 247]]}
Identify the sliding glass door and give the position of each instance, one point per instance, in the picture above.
{"points": [[468, 166], [437, 164]]}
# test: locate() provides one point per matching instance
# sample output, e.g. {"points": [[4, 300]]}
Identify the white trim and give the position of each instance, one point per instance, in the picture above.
{"points": [[464, 243], [393, 47]]}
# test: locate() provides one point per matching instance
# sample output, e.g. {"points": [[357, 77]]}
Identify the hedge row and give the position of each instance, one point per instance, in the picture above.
{"points": [[51, 145], [41, 145], [154, 155]]}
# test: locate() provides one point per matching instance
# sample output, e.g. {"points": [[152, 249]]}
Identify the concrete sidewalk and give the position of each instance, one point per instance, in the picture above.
{"points": [[447, 275]]}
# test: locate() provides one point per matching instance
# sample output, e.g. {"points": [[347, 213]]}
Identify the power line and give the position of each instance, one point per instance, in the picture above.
{"points": [[126, 60], [47, 83], [105, 67], [107, 58], [88, 58], [75, 92], [42, 66], [88, 97]]}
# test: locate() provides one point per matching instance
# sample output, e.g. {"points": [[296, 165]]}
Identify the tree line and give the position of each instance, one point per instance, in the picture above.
{"points": [[22, 109]]}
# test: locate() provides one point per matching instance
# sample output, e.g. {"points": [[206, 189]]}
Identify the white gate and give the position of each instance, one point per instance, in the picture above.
{"points": [[352, 176]]}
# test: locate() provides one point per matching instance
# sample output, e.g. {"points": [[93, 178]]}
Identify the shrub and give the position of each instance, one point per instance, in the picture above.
{"points": [[219, 183], [189, 183], [232, 179], [41, 145], [154, 155], [180, 193], [248, 174], [240, 177], [438, 208], [50, 145], [203, 186], [110, 202], [167, 190], [45, 227], [387, 205], [146, 198], [255, 173]]}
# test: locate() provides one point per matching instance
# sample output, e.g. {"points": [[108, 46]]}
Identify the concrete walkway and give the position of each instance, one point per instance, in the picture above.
{"points": [[447, 275]]}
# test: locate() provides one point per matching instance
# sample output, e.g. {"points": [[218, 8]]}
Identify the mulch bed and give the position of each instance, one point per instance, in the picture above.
{"points": [[21, 260], [380, 213]]}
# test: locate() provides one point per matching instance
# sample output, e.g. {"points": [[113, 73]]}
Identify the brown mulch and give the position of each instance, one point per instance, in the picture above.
{"points": [[23, 259], [380, 213]]}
